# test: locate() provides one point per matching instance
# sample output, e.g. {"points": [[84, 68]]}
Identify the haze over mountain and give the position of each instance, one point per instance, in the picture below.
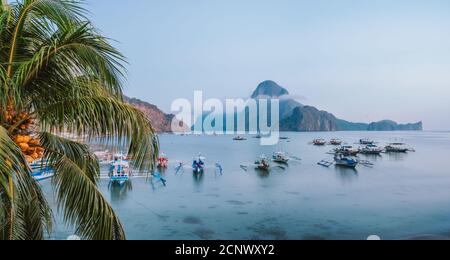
{"points": [[295, 116], [270, 89]]}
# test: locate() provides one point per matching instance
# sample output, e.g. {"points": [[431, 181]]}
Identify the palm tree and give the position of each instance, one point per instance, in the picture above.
{"points": [[59, 75]]}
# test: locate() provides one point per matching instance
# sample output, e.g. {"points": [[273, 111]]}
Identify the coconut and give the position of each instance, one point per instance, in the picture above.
{"points": [[20, 139], [26, 139], [24, 146], [34, 142]]}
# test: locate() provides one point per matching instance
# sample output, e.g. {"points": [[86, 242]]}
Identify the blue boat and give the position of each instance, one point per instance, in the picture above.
{"points": [[198, 165], [119, 170], [342, 160]]}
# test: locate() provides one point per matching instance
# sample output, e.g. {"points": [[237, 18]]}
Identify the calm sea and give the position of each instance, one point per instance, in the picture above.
{"points": [[402, 196]]}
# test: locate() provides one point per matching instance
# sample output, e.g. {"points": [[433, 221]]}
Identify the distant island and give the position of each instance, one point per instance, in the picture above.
{"points": [[294, 116], [297, 117]]}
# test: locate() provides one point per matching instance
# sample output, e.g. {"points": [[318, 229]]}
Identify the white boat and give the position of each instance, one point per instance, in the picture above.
{"points": [[280, 157], [396, 148], [319, 142], [347, 150], [335, 141], [371, 149]]}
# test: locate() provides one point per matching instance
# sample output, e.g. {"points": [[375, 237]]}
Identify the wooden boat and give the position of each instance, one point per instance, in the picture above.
{"points": [[280, 157], [371, 149], [262, 164], [345, 161], [366, 141], [396, 148], [335, 141], [163, 161], [319, 142], [347, 150]]}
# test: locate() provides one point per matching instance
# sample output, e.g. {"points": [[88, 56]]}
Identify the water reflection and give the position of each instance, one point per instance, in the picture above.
{"points": [[119, 191], [346, 174], [397, 157], [262, 173], [198, 179], [373, 157]]}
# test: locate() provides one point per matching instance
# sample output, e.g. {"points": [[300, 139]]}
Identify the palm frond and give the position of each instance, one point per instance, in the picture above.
{"points": [[107, 119], [25, 213], [57, 68], [77, 193], [66, 55]]}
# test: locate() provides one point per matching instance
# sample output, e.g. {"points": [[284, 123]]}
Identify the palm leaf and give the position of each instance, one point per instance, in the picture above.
{"points": [[109, 120], [55, 66], [24, 212], [77, 193]]}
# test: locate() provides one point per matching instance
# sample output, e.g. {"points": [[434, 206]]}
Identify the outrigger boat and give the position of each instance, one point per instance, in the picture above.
{"points": [[345, 161], [163, 161], [262, 163], [335, 141], [366, 141], [347, 150], [239, 138], [397, 148], [40, 170], [198, 165], [371, 149], [280, 157], [120, 171], [319, 142]]}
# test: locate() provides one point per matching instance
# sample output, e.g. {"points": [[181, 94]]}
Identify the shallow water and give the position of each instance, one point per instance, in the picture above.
{"points": [[402, 196]]}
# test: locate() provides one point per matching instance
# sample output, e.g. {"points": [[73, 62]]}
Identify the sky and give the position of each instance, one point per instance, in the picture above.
{"points": [[361, 60]]}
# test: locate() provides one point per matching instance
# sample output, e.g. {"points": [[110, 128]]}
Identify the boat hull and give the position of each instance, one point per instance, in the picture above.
{"points": [[347, 165], [119, 179], [345, 162], [396, 150], [262, 168]]}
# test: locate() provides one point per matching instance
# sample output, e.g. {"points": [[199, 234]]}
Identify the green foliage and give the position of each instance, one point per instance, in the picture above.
{"points": [[56, 66]]}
